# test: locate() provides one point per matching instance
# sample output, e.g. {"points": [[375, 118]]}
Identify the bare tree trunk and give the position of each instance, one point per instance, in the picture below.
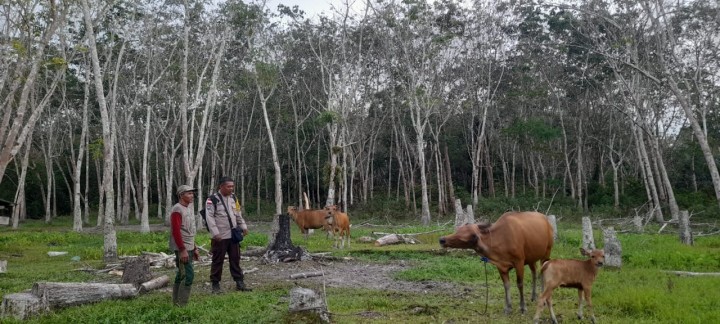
{"points": [[20, 202], [649, 179], [110, 240], [77, 174], [145, 214]]}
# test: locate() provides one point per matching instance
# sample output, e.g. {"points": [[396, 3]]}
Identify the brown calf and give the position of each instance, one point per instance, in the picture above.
{"points": [[308, 219], [340, 225], [516, 239], [572, 274]]}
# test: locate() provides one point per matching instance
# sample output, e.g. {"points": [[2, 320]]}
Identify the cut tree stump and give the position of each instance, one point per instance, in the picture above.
{"points": [[553, 222], [3, 266], [587, 234], [283, 248], [137, 270], [22, 306], [64, 294], [307, 300], [156, 283]]}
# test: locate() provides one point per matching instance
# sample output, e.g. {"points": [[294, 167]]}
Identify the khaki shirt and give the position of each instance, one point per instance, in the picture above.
{"points": [[186, 228], [216, 216]]}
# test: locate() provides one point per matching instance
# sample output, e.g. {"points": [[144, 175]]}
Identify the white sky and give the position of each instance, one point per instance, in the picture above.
{"points": [[314, 7]]}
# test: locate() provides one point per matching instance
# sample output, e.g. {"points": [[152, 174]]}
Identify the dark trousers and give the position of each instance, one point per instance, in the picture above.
{"points": [[185, 272], [218, 250]]}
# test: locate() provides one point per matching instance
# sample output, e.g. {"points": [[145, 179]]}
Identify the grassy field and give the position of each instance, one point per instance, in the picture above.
{"points": [[641, 292]]}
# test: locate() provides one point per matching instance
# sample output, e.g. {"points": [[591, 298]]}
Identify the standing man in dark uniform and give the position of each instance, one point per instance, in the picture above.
{"points": [[220, 225], [182, 241]]}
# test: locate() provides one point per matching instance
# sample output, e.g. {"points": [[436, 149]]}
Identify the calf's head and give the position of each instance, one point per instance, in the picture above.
{"points": [[329, 213], [597, 256]]}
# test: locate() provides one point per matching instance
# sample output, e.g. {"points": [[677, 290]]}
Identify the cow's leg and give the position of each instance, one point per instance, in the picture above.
{"points": [[506, 284], [540, 306], [534, 277], [520, 273], [580, 305], [552, 311]]}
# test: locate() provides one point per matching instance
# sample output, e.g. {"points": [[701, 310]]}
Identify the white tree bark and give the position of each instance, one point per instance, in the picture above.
{"points": [[106, 116]]}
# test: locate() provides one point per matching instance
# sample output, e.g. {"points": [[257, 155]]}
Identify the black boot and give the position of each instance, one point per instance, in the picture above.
{"points": [[176, 287], [240, 285], [216, 287], [183, 295]]}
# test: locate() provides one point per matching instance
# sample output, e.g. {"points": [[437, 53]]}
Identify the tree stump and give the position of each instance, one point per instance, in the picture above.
{"points": [[64, 294], [469, 215], [685, 232], [307, 300], [553, 222], [588, 239], [282, 248], [22, 306], [612, 248], [638, 223], [3, 266], [459, 214], [137, 270]]}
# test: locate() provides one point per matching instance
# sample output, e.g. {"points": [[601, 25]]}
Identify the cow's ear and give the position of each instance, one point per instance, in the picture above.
{"points": [[585, 252]]}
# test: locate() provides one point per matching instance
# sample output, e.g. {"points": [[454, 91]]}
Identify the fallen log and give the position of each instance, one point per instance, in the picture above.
{"points": [[64, 294], [22, 306], [303, 275], [693, 274], [394, 239], [156, 283]]}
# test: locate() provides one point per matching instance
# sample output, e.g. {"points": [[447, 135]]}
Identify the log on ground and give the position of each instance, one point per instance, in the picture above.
{"points": [[394, 239], [156, 283], [64, 294]]}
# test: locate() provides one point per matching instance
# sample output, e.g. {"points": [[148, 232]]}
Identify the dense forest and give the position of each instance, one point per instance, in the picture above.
{"points": [[608, 105]]}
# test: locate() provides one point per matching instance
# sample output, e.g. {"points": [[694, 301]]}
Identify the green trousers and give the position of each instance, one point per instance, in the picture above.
{"points": [[185, 272]]}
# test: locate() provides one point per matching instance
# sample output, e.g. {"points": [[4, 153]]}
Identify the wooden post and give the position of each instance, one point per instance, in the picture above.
{"points": [[553, 222], [685, 232], [612, 248], [588, 239], [459, 214]]}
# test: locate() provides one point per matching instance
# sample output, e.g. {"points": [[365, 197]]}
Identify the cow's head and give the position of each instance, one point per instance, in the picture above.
{"points": [[292, 210], [597, 256], [465, 237]]}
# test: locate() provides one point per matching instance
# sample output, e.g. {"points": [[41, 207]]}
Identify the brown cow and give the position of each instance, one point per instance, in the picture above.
{"points": [[340, 225], [308, 219], [514, 240], [578, 274]]}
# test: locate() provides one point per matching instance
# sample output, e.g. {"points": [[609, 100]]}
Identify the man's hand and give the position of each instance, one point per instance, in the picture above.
{"points": [[196, 255], [245, 232], [217, 238], [183, 256]]}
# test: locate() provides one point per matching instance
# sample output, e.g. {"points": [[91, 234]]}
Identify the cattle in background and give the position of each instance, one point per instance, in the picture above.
{"points": [[308, 219], [578, 274], [339, 225], [516, 239]]}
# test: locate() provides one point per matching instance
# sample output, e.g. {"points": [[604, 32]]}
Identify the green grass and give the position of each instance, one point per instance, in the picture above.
{"points": [[641, 292]]}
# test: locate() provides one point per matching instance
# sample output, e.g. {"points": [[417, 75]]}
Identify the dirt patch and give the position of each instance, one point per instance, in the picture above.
{"points": [[352, 274]]}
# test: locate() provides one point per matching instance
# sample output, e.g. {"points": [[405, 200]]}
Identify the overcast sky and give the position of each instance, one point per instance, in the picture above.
{"points": [[314, 7]]}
